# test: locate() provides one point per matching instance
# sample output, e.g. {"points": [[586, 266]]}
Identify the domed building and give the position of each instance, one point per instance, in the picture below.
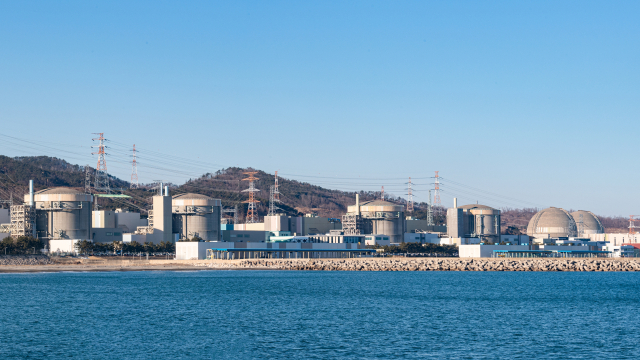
{"points": [[587, 223], [196, 215], [62, 213], [552, 223], [474, 220]]}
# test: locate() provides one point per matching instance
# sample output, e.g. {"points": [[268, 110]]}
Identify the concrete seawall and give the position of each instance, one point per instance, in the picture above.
{"points": [[430, 264]]}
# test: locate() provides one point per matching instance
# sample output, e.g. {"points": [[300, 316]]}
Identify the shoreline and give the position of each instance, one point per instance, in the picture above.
{"points": [[356, 264]]}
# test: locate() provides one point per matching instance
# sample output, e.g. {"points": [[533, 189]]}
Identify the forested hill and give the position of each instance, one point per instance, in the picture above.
{"points": [[295, 197], [45, 172]]}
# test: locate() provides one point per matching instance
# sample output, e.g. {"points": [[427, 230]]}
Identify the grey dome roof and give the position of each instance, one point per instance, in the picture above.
{"points": [[590, 222], [58, 190], [191, 196], [476, 206], [378, 203], [552, 222]]}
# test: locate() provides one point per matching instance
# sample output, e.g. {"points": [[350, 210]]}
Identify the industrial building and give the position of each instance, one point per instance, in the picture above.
{"points": [[375, 217], [297, 225], [189, 250], [474, 221], [62, 213], [196, 215]]}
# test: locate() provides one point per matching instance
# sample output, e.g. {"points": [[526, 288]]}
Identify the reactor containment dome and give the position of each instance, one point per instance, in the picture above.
{"points": [[587, 223], [552, 223]]}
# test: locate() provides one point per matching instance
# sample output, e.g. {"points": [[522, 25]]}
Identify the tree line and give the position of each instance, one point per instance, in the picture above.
{"points": [[88, 247], [417, 248], [21, 245]]}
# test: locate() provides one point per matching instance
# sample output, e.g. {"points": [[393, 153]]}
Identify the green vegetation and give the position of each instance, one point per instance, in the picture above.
{"points": [[21, 246], [417, 248], [87, 247]]}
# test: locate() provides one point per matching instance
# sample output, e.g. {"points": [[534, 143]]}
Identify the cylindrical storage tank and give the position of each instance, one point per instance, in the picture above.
{"points": [[483, 221], [62, 213], [386, 218], [196, 215]]}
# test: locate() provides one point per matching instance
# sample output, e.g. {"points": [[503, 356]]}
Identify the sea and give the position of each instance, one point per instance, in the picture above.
{"points": [[319, 315]]}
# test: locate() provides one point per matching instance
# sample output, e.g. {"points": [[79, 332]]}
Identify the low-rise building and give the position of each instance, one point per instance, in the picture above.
{"points": [[486, 251], [261, 250]]}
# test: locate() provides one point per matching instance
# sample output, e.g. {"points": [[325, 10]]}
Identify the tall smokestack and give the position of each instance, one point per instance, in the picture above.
{"points": [[455, 203], [166, 191], [357, 204], [31, 193]]}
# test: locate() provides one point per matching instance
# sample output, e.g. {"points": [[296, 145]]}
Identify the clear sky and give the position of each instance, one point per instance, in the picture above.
{"points": [[516, 103]]}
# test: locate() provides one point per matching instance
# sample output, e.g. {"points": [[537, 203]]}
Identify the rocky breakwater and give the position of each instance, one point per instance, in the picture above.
{"points": [[436, 264], [16, 260]]}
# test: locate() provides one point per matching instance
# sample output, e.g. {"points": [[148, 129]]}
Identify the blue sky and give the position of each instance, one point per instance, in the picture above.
{"points": [[527, 103]]}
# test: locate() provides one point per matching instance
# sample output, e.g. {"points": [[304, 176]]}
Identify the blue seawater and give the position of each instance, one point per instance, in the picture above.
{"points": [[319, 315]]}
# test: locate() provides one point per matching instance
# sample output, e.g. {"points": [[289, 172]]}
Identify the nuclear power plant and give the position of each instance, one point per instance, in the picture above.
{"points": [[61, 216]]}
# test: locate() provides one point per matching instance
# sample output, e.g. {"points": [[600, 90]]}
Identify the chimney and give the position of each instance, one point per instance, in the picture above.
{"points": [[31, 193], [357, 204], [455, 203], [166, 191]]}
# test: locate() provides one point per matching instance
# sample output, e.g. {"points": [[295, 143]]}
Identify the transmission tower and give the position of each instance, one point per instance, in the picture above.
{"points": [[87, 179], [101, 182], [436, 193], [272, 200], [134, 170], [252, 214], [410, 194], [235, 214], [580, 225], [274, 197], [632, 225], [276, 192], [429, 212]]}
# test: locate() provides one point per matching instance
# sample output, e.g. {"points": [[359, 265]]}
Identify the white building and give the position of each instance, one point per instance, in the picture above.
{"points": [[380, 240], [486, 251], [192, 250]]}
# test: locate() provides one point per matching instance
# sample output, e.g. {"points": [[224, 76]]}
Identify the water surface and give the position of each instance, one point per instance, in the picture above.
{"points": [[319, 315]]}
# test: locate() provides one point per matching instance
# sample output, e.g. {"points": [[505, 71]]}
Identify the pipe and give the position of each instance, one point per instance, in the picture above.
{"points": [[31, 193], [455, 203], [357, 204], [166, 191]]}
